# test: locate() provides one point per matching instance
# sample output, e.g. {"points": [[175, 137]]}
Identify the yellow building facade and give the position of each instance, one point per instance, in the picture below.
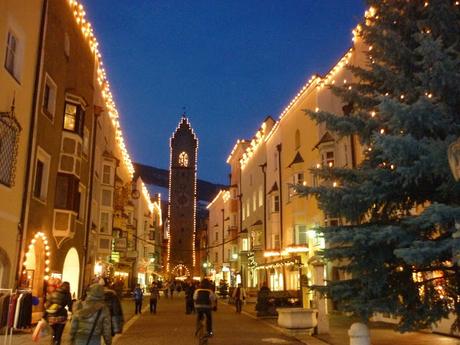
{"points": [[20, 23]]}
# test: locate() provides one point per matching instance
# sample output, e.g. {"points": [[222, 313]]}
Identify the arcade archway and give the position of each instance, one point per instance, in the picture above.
{"points": [[71, 271]]}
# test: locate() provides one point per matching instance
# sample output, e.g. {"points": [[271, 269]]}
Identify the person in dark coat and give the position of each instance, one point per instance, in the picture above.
{"points": [[189, 290], [138, 297], [116, 312], [92, 321], [154, 296], [56, 312]]}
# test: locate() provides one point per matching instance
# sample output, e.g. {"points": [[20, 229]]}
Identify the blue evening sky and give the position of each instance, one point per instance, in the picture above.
{"points": [[229, 62]]}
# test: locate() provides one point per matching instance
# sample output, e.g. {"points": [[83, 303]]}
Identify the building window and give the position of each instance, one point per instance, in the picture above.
{"points": [[9, 142], [107, 174], [245, 245], [104, 243], [248, 207], [275, 161], [276, 241], [42, 168], [86, 141], [275, 203], [244, 213], [216, 255], [104, 223], [331, 222], [217, 236], [261, 196], [328, 158], [81, 211], [300, 234], [299, 178], [106, 198], [73, 118], [67, 194], [67, 45], [229, 256], [12, 55], [183, 159], [49, 97], [297, 139]]}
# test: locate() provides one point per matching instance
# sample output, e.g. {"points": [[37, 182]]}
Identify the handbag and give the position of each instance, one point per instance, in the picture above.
{"points": [[40, 330], [94, 326]]}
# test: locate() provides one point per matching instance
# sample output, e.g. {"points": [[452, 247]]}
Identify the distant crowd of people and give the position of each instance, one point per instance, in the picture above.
{"points": [[99, 313]]}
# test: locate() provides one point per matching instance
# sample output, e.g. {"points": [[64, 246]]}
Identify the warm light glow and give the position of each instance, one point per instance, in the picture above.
{"points": [[33, 242], [268, 254], [297, 249]]}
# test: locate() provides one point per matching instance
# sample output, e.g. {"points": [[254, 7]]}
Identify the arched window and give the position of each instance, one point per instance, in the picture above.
{"points": [[183, 159], [297, 139]]}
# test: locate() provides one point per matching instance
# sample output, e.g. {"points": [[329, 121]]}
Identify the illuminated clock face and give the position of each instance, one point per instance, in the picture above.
{"points": [[183, 159]]}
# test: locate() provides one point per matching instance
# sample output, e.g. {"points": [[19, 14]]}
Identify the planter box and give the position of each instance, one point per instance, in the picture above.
{"points": [[297, 318]]}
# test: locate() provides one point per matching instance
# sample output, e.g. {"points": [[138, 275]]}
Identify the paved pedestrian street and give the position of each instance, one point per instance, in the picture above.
{"points": [[171, 326]]}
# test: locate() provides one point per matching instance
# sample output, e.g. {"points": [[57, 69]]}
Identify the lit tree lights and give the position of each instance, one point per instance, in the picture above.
{"points": [[399, 207]]}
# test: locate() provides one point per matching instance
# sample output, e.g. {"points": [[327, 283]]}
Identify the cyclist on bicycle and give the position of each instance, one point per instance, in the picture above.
{"points": [[205, 302]]}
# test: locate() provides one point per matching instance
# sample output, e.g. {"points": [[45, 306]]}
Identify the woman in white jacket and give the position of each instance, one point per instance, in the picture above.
{"points": [[239, 295]]}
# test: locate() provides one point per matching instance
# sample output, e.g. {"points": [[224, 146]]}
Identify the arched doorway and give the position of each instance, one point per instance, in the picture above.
{"points": [[36, 266], [71, 271]]}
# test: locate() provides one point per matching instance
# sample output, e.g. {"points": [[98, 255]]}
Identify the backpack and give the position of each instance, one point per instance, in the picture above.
{"points": [[203, 299]]}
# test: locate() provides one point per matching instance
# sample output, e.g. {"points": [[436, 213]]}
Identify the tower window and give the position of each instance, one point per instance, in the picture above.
{"points": [[183, 159], [297, 139]]}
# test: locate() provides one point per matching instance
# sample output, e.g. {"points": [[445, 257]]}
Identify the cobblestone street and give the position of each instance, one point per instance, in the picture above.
{"points": [[172, 326]]}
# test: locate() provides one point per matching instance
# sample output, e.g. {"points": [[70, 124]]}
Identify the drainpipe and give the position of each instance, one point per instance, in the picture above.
{"points": [[22, 228], [240, 200], [280, 175], [97, 112], [264, 171], [223, 240]]}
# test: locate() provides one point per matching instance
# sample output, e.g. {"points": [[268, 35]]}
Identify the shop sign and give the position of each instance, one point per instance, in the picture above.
{"points": [[251, 260], [120, 244]]}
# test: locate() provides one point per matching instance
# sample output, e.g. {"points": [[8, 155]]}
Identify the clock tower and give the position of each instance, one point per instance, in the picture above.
{"points": [[182, 200]]}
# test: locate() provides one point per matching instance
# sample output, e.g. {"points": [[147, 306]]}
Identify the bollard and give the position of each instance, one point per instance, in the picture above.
{"points": [[359, 334]]}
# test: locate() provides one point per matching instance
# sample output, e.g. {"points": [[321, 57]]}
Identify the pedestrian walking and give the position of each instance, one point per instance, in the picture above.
{"points": [[154, 296], [171, 289], [239, 295], [138, 297], [112, 301], [55, 309], [92, 321], [189, 290]]}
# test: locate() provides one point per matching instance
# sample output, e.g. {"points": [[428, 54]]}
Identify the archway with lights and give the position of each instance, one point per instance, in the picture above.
{"points": [[71, 270], [36, 264], [180, 271]]}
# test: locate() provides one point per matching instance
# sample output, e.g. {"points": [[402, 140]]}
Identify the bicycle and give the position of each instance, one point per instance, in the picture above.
{"points": [[201, 333]]}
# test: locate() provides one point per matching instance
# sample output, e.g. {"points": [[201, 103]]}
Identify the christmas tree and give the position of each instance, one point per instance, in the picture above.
{"points": [[400, 205]]}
